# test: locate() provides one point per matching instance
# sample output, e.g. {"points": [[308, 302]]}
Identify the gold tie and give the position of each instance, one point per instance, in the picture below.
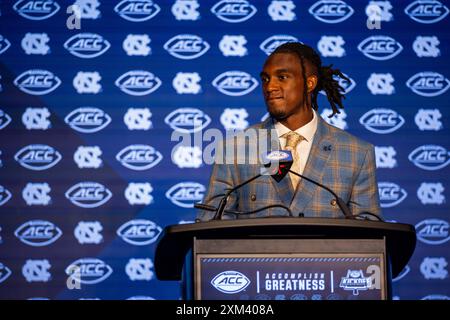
{"points": [[292, 139]]}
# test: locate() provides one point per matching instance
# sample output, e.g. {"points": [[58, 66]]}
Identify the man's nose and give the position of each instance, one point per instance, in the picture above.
{"points": [[272, 85]]}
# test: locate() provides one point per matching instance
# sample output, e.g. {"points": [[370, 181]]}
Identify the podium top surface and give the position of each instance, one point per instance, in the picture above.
{"points": [[176, 240]]}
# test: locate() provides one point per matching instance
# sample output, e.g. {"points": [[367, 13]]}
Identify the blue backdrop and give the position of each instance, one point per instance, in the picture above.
{"points": [[90, 96]]}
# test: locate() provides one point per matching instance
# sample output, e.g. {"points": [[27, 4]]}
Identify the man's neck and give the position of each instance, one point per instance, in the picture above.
{"points": [[298, 120]]}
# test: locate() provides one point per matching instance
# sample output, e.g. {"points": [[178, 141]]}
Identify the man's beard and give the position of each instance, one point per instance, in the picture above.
{"points": [[278, 114]]}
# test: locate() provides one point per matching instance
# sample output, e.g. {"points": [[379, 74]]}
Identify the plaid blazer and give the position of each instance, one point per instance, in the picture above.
{"points": [[337, 160]]}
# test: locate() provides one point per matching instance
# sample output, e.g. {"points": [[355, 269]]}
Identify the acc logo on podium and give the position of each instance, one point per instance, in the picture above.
{"points": [[230, 282]]}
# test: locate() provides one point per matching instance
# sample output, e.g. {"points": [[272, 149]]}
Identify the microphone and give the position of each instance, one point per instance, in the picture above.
{"points": [[285, 161]]}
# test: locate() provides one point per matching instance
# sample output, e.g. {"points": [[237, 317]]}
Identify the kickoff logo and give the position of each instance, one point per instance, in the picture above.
{"points": [[38, 233], [139, 232], [382, 121], [87, 119], [87, 45], [37, 157], [186, 46], [187, 120], [89, 271], [428, 84], [139, 157], [137, 10], [37, 82], [88, 194], [186, 194], [430, 157], [138, 82], [235, 83], [380, 47], [233, 11], [230, 282], [36, 10]]}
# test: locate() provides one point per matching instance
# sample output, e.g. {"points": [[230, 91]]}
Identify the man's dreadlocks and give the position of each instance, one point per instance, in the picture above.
{"points": [[324, 74]]}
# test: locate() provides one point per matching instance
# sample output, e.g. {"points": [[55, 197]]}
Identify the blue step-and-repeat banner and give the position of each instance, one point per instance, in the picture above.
{"points": [[91, 94]]}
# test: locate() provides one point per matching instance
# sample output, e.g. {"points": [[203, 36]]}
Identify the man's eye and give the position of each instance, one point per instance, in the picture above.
{"points": [[265, 79], [282, 77]]}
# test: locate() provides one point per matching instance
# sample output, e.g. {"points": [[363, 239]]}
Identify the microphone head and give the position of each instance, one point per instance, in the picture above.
{"points": [[278, 162]]}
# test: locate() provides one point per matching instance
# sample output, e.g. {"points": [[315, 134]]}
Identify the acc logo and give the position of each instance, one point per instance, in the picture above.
{"points": [[426, 11], [37, 157], [230, 282], [277, 155], [186, 194], [380, 47], [137, 10], [331, 11], [87, 119], [5, 119], [428, 84], [4, 44], [88, 232], [186, 46], [38, 233], [430, 157], [87, 45], [433, 231], [138, 82], [139, 157], [36, 10], [382, 120], [271, 43], [88, 194], [5, 272], [37, 82], [5, 195], [187, 120], [390, 194], [89, 270], [436, 297], [139, 232], [234, 11], [235, 83]]}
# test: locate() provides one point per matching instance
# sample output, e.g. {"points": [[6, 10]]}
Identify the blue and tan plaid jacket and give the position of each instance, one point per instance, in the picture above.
{"points": [[337, 159]]}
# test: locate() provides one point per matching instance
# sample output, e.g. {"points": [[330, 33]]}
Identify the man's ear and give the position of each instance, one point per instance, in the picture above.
{"points": [[311, 83]]}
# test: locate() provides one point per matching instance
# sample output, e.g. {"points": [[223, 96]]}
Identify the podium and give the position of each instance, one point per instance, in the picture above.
{"points": [[285, 258]]}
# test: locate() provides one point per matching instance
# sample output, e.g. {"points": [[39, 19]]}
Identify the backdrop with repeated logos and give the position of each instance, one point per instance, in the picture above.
{"points": [[91, 94]]}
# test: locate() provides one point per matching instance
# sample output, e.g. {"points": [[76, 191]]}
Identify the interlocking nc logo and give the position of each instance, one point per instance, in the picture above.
{"points": [[381, 83], [233, 46], [89, 270], [138, 82], [426, 11], [87, 45], [5, 119], [138, 119], [235, 83], [88, 194], [87, 82], [186, 10], [36, 10], [281, 10], [137, 45], [139, 232], [137, 10], [379, 11], [187, 156], [186, 46], [331, 11], [88, 8], [426, 47], [434, 268], [428, 119], [36, 270], [390, 194], [139, 193], [331, 46], [385, 157], [433, 231], [37, 82], [187, 82], [431, 193], [139, 157], [36, 118], [4, 44], [186, 194], [428, 83], [88, 232], [5, 195], [36, 194], [338, 120], [380, 47], [271, 43], [87, 119], [234, 119], [36, 43], [187, 120], [430, 157], [38, 233], [5, 272], [381, 120], [37, 157], [230, 282], [139, 269], [88, 157], [234, 11]]}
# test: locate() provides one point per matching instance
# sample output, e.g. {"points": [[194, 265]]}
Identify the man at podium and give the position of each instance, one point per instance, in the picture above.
{"points": [[292, 77]]}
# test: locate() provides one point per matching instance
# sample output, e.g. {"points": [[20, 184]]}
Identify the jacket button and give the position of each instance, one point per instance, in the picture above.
{"points": [[333, 202], [253, 197]]}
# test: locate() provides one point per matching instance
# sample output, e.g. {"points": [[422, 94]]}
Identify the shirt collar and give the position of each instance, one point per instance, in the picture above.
{"points": [[307, 131]]}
